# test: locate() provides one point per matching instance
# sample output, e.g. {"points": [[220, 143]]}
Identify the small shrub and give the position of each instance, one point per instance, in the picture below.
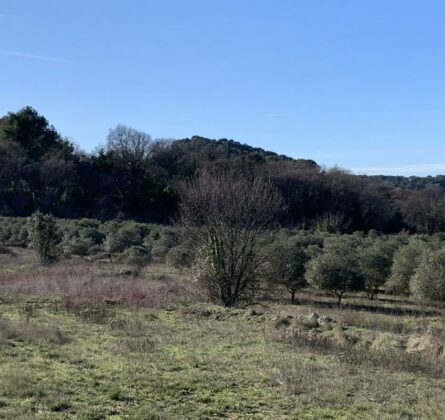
{"points": [[179, 257], [126, 236], [77, 246], [13, 231], [158, 253], [137, 257]]}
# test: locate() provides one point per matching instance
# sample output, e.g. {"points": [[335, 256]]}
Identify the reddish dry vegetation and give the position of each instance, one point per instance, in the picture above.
{"points": [[158, 286]]}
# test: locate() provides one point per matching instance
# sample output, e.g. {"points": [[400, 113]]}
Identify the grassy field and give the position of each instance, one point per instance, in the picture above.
{"points": [[79, 340]]}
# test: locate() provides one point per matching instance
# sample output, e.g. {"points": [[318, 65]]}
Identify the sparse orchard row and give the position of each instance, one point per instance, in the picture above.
{"points": [[291, 258]]}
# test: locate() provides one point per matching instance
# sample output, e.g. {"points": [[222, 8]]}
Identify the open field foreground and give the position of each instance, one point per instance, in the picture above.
{"points": [[77, 340]]}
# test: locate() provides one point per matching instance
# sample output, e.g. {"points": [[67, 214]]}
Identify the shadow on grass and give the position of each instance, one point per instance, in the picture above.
{"points": [[396, 311]]}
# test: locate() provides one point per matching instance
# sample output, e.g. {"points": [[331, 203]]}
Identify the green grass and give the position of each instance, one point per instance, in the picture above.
{"points": [[173, 359], [183, 364]]}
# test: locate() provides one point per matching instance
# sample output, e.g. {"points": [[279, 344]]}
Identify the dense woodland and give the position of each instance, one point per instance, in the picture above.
{"points": [[136, 177]]}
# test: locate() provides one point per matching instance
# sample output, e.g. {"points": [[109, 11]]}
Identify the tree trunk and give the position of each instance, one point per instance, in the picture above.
{"points": [[292, 294], [339, 295]]}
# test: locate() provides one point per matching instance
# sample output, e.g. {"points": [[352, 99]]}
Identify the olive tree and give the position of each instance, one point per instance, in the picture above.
{"points": [[405, 262], [428, 281], [336, 269], [375, 264], [225, 212], [288, 262], [43, 237]]}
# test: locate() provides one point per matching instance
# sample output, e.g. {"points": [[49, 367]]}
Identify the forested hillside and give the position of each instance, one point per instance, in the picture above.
{"points": [[136, 177]]}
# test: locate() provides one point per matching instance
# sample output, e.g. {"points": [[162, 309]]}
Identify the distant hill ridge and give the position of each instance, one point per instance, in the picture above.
{"points": [[134, 177]]}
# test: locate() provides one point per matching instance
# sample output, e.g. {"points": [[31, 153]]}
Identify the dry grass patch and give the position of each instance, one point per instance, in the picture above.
{"points": [[160, 287], [350, 351], [31, 332]]}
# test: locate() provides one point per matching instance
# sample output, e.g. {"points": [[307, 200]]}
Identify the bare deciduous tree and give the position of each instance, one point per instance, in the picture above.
{"points": [[132, 146], [226, 212], [130, 150], [425, 209]]}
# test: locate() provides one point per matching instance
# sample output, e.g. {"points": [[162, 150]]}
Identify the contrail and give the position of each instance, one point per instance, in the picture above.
{"points": [[37, 57]]}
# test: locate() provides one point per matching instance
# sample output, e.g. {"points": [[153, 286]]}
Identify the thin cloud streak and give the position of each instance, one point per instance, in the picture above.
{"points": [[276, 115], [413, 169], [37, 57], [9, 15]]}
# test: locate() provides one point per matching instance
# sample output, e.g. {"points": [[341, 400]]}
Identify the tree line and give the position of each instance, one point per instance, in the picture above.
{"points": [[136, 177]]}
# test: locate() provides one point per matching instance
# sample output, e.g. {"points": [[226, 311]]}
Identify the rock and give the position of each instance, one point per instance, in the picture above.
{"points": [[313, 316], [312, 321], [255, 312], [325, 319], [428, 343]]}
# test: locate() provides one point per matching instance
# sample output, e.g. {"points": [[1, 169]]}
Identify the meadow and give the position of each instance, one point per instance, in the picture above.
{"points": [[83, 339]]}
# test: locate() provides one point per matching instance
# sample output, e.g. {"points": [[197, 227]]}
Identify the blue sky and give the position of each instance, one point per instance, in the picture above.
{"points": [[360, 84]]}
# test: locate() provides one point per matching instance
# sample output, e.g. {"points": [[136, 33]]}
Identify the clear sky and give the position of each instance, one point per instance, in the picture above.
{"points": [[357, 83]]}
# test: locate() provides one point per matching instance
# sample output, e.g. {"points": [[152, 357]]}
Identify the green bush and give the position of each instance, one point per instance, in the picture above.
{"points": [[179, 257], [137, 257], [81, 237], [77, 246], [159, 253], [13, 231], [125, 237]]}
